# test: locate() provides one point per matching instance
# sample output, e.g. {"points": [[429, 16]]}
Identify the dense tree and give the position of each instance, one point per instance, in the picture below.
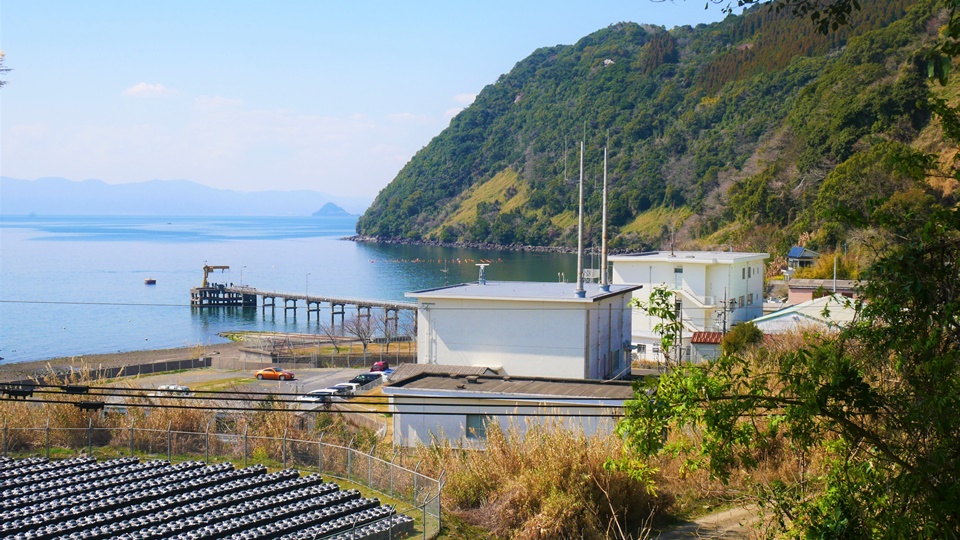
{"points": [[682, 112], [870, 412]]}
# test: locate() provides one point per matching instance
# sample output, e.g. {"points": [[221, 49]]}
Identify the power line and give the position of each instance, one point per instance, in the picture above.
{"points": [[514, 413]]}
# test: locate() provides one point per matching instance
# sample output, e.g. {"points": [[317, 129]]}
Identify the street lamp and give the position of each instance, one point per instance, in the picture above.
{"points": [[306, 286]]}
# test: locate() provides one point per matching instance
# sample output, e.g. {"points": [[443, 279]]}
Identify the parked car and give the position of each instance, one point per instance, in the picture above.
{"points": [[380, 366], [346, 389], [275, 374], [172, 390], [317, 396], [366, 378]]}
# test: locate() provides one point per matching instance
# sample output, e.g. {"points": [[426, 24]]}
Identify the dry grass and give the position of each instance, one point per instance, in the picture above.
{"points": [[551, 482]]}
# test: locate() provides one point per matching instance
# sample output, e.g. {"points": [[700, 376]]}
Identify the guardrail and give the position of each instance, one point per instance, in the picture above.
{"points": [[420, 494]]}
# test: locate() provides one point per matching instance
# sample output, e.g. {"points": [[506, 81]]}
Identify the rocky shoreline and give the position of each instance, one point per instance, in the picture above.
{"points": [[480, 245]]}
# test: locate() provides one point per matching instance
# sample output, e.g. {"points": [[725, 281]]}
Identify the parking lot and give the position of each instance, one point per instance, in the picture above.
{"points": [[245, 381]]}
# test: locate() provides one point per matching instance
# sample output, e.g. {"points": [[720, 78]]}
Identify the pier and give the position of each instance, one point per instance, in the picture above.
{"points": [[220, 295]]}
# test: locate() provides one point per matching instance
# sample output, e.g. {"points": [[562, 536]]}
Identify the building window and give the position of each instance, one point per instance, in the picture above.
{"points": [[750, 299], [477, 426], [743, 273], [678, 278], [749, 271], [641, 348], [741, 301]]}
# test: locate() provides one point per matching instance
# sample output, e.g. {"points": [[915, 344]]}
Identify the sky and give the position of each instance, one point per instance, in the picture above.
{"points": [[285, 95]]}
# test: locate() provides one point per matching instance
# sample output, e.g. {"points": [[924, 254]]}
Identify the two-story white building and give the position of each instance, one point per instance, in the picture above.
{"points": [[527, 329], [716, 290]]}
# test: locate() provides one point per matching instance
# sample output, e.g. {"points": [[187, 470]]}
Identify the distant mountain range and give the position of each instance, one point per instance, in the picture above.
{"points": [[60, 196]]}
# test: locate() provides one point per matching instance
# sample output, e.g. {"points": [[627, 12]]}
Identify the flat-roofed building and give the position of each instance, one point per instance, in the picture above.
{"points": [[433, 407], [716, 289], [527, 328], [803, 290]]}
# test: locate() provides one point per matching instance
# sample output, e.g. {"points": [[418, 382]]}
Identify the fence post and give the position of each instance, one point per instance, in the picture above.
{"points": [[370, 466], [283, 448], [207, 444], [132, 435], [393, 468], [245, 428], [350, 457], [439, 490], [48, 437], [320, 455], [169, 441], [416, 473], [4, 437], [90, 436]]}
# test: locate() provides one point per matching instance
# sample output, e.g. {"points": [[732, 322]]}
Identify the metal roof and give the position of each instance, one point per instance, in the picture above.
{"points": [[510, 387], [826, 284], [797, 252], [406, 371], [701, 257], [522, 291]]}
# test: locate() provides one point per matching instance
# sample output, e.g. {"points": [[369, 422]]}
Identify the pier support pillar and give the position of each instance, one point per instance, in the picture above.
{"points": [[336, 309], [313, 306], [391, 320]]}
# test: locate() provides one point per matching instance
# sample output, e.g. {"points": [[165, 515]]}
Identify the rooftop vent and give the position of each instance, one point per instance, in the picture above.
{"points": [[473, 379]]}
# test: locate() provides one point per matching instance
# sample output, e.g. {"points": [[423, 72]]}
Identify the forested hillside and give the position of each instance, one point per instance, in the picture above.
{"points": [[756, 132]]}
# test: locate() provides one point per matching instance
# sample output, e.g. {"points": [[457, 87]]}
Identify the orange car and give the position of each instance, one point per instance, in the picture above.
{"points": [[275, 374]]}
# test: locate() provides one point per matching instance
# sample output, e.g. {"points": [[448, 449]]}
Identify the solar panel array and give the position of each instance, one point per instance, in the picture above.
{"points": [[126, 499]]}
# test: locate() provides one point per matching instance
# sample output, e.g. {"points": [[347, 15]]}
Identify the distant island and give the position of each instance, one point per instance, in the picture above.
{"points": [[331, 210], [61, 196]]}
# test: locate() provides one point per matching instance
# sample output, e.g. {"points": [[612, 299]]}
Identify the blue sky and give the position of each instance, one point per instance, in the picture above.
{"points": [[328, 96]]}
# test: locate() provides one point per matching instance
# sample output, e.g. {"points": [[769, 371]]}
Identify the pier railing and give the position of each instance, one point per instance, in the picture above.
{"points": [[412, 492]]}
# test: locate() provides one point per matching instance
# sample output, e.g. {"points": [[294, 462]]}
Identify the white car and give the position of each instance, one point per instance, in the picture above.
{"points": [[172, 390], [317, 396], [345, 390]]}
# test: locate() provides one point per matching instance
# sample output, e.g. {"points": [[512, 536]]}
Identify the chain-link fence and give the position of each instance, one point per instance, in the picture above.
{"points": [[410, 491]]}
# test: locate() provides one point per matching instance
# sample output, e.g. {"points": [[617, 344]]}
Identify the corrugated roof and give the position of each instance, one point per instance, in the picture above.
{"points": [[827, 284], [707, 338], [405, 371], [515, 387]]}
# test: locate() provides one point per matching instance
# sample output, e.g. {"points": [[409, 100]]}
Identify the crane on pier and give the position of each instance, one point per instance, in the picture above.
{"points": [[206, 272]]}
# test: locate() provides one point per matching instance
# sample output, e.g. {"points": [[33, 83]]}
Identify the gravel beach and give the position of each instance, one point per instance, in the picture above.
{"points": [[24, 370]]}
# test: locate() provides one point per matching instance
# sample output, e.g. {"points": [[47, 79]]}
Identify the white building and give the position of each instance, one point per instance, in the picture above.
{"points": [[717, 289], [831, 312], [526, 329], [432, 407]]}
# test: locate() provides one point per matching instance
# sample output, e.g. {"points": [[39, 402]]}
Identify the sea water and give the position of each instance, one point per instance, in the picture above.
{"points": [[71, 286]]}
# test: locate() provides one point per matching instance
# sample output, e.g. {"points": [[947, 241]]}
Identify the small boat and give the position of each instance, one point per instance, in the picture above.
{"points": [[149, 281]]}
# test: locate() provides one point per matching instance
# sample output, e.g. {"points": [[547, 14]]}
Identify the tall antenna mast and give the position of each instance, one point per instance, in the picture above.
{"points": [[580, 292], [604, 285]]}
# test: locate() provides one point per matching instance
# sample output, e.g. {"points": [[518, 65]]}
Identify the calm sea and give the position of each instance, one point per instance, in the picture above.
{"points": [[71, 286]]}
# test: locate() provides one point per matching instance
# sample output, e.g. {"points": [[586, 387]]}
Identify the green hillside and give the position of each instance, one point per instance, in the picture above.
{"points": [[745, 132]]}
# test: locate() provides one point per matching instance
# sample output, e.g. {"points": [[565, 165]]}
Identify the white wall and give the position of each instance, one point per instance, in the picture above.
{"points": [[412, 427], [573, 340], [534, 339], [704, 284]]}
